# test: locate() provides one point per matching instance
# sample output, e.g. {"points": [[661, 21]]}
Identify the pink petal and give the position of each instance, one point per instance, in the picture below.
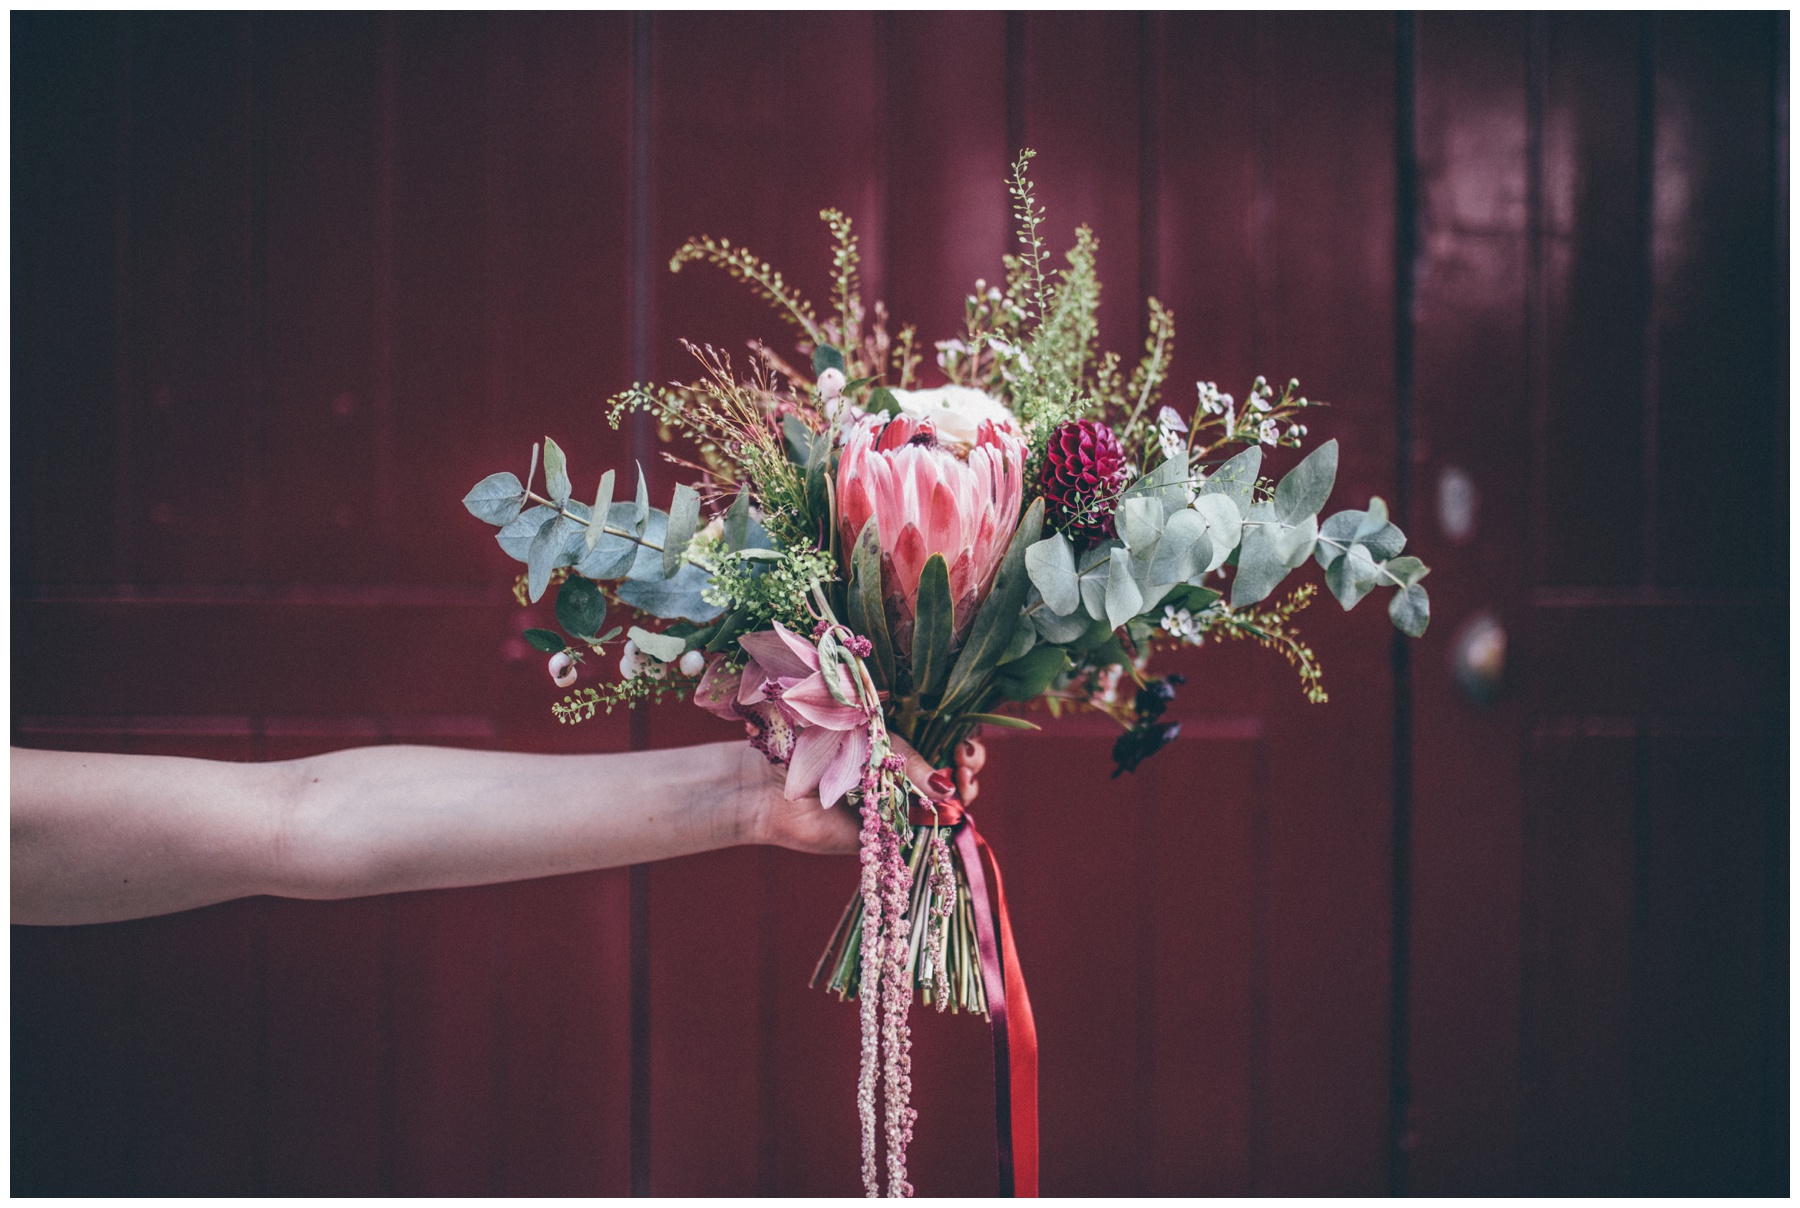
{"points": [[717, 688], [813, 753], [846, 770], [812, 701], [943, 521], [802, 649], [777, 657]]}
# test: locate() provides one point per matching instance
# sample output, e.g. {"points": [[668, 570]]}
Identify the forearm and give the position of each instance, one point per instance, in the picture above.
{"points": [[97, 838]]}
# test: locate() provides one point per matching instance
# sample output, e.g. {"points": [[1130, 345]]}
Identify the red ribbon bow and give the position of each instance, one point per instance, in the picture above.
{"points": [[1009, 1006]]}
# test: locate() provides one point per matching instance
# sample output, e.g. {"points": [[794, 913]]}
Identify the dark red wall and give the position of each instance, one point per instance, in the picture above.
{"points": [[284, 287]]}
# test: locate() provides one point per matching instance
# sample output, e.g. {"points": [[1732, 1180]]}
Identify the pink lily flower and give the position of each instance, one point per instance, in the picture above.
{"points": [[931, 497], [795, 719]]}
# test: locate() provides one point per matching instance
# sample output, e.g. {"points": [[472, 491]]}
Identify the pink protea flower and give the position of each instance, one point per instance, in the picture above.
{"points": [[931, 497], [795, 719]]}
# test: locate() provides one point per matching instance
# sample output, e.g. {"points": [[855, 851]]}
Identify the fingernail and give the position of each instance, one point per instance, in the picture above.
{"points": [[940, 784]]}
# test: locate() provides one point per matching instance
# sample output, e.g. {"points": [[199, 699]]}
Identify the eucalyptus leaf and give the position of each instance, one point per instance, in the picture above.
{"points": [[517, 536], [684, 518], [1236, 479], [998, 617], [1124, 599], [556, 472], [737, 520], [1139, 520], [580, 608], [1167, 484], [1028, 678], [1260, 568], [1408, 570], [1195, 599], [864, 606], [496, 498], [646, 562], [677, 597], [1294, 541], [1411, 610], [827, 356], [1184, 550], [1051, 565], [1023, 639], [611, 556], [540, 559], [602, 509], [547, 640], [932, 631], [1060, 629], [1224, 527], [662, 647], [1352, 576], [642, 515], [1305, 488]]}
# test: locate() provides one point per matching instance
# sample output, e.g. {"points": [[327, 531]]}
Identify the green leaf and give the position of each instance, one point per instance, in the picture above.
{"points": [[1236, 479], [1195, 599], [556, 471], [546, 640], [642, 514], [496, 499], [883, 401], [602, 509], [1408, 570], [580, 608], [1028, 678], [866, 612], [1224, 527], [612, 556], [1305, 488], [1123, 598], [1294, 541], [737, 520], [677, 597], [1140, 522], [1060, 629], [998, 617], [662, 647], [1352, 576], [684, 517], [1184, 550], [1411, 610], [1051, 565], [798, 437], [1167, 484], [827, 356], [540, 560], [932, 626], [1001, 720], [732, 627], [1260, 568], [1023, 639]]}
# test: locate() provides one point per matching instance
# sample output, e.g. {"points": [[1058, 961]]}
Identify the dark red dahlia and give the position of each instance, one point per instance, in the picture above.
{"points": [[1084, 471]]}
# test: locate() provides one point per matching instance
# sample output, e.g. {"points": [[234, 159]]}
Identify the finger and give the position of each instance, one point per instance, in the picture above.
{"points": [[967, 787], [926, 780], [971, 756]]}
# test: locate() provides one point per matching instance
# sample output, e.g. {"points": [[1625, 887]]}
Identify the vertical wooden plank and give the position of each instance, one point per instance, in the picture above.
{"points": [[1594, 220], [323, 140], [192, 245], [1715, 319], [1472, 423], [68, 86], [1327, 84]]}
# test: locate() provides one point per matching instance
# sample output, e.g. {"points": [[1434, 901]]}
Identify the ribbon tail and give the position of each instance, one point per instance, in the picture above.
{"points": [[1009, 1010]]}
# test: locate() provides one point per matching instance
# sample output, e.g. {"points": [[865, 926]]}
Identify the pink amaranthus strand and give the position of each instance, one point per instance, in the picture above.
{"points": [[872, 962], [896, 998]]}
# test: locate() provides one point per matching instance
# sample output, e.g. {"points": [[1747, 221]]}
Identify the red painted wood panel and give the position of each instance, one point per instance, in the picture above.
{"points": [[285, 286]]}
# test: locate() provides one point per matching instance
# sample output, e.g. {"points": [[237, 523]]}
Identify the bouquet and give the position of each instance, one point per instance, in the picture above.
{"points": [[859, 556]]}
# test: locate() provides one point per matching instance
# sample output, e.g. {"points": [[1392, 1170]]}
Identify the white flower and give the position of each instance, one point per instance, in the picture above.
{"points": [[562, 668], [1170, 418], [692, 663], [1269, 433], [1259, 402], [957, 412]]}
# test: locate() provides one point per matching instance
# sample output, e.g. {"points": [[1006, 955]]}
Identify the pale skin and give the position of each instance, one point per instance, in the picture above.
{"points": [[99, 838]]}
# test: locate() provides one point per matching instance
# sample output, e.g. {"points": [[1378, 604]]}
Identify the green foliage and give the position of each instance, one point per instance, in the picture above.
{"points": [[764, 586], [580, 608], [932, 631], [549, 641]]}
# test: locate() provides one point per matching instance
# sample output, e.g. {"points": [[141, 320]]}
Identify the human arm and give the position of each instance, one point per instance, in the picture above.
{"points": [[98, 838]]}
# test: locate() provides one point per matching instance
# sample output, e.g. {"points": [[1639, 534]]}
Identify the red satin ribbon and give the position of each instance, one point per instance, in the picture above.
{"points": [[1009, 1007]]}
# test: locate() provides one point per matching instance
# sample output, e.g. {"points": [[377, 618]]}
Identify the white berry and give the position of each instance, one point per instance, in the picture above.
{"points": [[831, 383], [692, 663]]}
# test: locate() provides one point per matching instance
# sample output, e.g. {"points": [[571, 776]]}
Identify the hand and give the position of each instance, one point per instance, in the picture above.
{"points": [[803, 825]]}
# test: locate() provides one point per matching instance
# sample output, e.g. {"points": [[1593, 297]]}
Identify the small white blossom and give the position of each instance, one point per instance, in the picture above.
{"points": [[1260, 402], [1168, 417], [1269, 433], [1170, 440], [1210, 399], [1181, 624]]}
